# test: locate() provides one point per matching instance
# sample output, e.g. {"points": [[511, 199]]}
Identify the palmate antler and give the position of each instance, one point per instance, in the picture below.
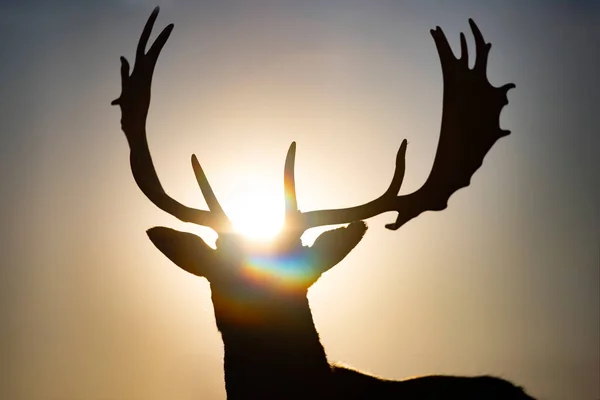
{"points": [[469, 128]]}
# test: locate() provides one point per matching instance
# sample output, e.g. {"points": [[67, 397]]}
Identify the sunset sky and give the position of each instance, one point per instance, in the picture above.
{"points": [[506, 281]]}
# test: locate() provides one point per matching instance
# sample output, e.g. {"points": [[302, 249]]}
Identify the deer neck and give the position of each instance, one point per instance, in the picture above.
{"points": [[271, 346]]}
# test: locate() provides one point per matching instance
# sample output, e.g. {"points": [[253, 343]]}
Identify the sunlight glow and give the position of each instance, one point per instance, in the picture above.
{"points": [[258, 217]]}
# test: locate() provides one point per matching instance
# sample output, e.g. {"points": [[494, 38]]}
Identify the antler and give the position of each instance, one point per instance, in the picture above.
{"points": [[470, 127], [134, 102]]}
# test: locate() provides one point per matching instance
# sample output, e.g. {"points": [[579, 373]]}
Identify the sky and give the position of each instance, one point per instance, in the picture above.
{"points": [[506, 281]]}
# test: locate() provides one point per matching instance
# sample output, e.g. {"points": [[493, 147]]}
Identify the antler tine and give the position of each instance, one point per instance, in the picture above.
{"points": [[470, 127], [289, 185], [209, 196], [398, 177], [482, 48], [134, 102]]}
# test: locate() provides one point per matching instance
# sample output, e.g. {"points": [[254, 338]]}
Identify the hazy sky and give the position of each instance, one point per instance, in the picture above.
{"points": [[504, 282]]}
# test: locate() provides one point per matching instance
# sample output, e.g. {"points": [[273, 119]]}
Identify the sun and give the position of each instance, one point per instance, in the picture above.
{"points": [[258, 217]]}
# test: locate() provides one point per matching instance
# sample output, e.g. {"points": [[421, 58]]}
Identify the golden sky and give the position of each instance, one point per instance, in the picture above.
{"points": [[503, 282]]}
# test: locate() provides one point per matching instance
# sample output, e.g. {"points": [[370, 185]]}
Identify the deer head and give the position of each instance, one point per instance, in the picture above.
{"points": [[246, 275]]}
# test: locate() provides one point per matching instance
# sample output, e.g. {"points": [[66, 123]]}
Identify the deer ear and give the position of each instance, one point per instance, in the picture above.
{"points": [[333, 246], [187, 250]]}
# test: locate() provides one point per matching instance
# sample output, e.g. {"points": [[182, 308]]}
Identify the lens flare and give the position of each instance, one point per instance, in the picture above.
{"points": [[288, 271]]}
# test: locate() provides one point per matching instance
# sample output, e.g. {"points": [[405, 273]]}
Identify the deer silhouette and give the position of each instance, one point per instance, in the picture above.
{"points": [[272, 349]]}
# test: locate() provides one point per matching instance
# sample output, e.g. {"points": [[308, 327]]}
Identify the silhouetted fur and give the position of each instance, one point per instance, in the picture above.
{"points": [[354, 385], [272, 348]]}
